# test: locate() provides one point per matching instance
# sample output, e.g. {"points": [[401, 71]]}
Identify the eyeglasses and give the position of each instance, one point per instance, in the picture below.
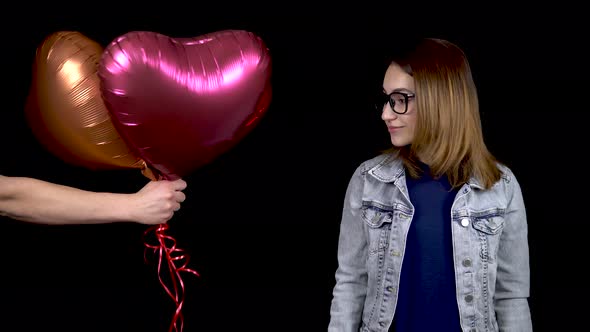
{"points": [[397, 100]]}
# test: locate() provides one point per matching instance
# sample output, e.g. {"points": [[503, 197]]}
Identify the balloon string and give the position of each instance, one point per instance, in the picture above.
{"points": [[166, 249]]}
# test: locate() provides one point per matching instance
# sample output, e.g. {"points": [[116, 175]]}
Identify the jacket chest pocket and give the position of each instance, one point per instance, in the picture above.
{"points": [[488, 227], [378, 224]]}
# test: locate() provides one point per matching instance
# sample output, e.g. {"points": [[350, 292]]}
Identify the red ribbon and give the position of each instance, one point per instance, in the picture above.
{"points": [[166, 249]]}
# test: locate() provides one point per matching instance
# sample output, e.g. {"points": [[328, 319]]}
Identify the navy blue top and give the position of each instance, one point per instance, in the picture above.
{"points": [[427, 299]]}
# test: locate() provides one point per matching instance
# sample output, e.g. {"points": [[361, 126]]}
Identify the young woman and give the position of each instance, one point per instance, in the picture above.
{"points": [[433, 234]]}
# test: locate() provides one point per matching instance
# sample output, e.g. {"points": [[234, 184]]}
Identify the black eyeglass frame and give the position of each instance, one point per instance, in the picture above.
{"points": [[388, 98]]}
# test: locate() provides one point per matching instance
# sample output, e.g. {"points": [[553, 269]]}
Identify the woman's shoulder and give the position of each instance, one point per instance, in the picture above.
{"points": [[384, 162], [508, 182], [506, 173]]}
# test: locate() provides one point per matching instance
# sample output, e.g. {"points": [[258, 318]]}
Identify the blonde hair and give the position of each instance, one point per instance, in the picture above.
{"points": [[448, 135]]}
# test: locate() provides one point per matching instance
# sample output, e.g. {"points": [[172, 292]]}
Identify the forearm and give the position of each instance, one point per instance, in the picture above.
{"points": [[37, 201]]}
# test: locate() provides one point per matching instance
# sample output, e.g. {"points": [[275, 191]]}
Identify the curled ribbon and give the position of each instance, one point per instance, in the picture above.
{"points": [[166, 249]]}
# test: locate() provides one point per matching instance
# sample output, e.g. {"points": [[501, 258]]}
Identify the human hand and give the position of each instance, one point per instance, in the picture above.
{"points": [[157, 201]]}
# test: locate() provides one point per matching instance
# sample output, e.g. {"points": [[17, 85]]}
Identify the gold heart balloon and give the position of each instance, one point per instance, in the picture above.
{"points": [[65, 109]]}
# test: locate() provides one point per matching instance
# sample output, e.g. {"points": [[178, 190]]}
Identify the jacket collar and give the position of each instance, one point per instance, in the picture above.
{"points": [[390, 169]]}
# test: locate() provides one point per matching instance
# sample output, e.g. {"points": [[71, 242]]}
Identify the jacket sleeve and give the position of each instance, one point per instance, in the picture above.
{"points": [[351, 275], [513, 275]]}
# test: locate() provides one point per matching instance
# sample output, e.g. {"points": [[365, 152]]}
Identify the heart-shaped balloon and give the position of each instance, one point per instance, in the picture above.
{"points": [[181, 102], [65, 109]]}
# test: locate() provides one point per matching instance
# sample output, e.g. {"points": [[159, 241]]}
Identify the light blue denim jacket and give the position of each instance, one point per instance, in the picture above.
{"points": [[490, 249]]}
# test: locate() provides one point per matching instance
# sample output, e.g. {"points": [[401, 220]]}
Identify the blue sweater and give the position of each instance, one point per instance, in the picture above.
{"points": [[427, 300]]}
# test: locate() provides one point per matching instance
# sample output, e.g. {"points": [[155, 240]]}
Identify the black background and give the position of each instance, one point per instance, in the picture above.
{"points": [[261, 222]]}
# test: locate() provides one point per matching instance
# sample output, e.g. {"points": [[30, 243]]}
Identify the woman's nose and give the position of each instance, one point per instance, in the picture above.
{"points": [[388, 113]]}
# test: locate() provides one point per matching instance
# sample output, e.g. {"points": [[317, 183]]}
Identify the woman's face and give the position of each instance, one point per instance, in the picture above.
{"points": [[400, 86]]}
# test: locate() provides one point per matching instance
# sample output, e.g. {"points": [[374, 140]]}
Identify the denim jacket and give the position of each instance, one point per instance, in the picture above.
{"points": [[490, 249]]}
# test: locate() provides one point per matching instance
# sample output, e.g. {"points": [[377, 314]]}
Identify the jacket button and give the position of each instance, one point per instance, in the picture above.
{"points": [[467, 262], [468, 298], [390, 289], [465, 222]]}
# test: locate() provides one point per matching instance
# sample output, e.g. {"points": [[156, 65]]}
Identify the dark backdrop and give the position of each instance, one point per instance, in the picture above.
{"points": [[261, 222]]}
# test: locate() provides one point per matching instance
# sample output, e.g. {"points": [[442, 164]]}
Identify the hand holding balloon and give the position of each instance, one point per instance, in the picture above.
{"points": [[157, 201]]}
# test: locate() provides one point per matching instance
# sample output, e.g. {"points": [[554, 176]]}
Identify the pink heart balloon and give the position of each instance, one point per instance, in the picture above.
{"points": [[181, 102]]}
